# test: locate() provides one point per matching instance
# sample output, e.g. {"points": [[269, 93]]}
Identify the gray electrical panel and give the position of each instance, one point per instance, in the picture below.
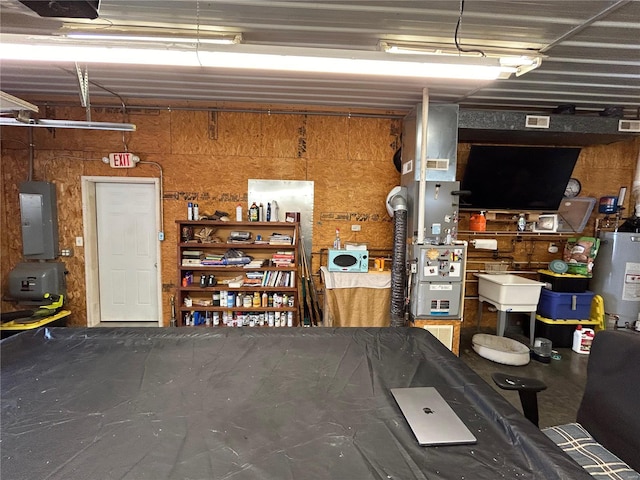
{"points": [[39, 220]]}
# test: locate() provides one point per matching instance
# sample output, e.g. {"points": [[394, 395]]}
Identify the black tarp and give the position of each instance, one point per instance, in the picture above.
{"points": [[238, 403]]}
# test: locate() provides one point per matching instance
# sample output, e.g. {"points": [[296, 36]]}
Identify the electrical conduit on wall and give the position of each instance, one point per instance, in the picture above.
{"points": [[635, 189]]}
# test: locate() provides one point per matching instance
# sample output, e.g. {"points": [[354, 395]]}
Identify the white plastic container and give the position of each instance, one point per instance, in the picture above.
{"points": [[239, 213], [509, 289], [582, 339]]}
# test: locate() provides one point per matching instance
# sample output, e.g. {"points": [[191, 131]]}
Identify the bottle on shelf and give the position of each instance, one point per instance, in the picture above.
{"points": [[239, 213], [478, 222], [196, 212], [522, 223], [190, 211], [261, 213], [336, 241], [253, 212], [268, 219]]}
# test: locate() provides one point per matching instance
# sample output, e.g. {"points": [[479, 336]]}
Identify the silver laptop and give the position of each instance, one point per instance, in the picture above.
{"points": [[430, 417]]}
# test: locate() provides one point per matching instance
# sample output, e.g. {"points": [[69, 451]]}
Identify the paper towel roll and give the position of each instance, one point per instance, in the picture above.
{"points": [[486, 244]]}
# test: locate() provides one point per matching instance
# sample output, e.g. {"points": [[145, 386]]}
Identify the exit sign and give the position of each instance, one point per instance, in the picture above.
{"points": [[123, 160]]}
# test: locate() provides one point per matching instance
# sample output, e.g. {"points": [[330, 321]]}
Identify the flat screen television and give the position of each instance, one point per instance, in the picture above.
{"points": [[517, 178]]}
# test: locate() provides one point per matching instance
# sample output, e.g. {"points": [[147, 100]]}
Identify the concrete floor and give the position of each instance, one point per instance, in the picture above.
{"points": [[565, 379]]}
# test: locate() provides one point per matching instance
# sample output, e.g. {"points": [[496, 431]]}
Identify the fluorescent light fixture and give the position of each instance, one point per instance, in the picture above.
{"points": [[99, 54], [211, 40], [353, 66], [512, 63], [256, 57], [119, 127]]}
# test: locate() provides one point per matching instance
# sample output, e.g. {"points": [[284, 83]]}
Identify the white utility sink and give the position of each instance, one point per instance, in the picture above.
{"points": [[509, 292]]}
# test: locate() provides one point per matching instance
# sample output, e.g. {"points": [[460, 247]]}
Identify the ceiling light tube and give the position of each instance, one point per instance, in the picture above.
{"points": [[520, 63], [221, 40], [260, 57], [100, 54], [118, 127], [352, 66]]}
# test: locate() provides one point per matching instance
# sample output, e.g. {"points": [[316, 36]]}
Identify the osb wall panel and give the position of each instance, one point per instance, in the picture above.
{"points": [[208, 157], [373, 139], [353, 171], [214, 133], [601, 169], [282, 136], [326, 137], [14, 169]]}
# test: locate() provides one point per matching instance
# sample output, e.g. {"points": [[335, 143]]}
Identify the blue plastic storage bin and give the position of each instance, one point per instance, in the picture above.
{"points": [[561, 305]]}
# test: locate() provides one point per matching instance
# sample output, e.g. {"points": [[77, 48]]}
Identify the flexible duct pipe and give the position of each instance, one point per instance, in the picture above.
{"points": [[398, 203]]}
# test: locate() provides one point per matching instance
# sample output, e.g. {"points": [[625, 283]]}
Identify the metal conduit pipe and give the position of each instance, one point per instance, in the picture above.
{"points": [[399, 259]]}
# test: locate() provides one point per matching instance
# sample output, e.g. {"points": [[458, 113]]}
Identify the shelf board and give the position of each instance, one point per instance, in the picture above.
{"points": [[237, 224], [239, 246], [237, 268], [252, 288], [516, 234], [237, 309]]}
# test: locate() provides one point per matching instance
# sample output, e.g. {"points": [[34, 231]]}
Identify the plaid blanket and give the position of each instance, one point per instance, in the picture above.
{"points": [[589, 454]]}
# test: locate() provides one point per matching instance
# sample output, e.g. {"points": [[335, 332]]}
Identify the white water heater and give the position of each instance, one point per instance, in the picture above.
{"points": [[616, 276]]}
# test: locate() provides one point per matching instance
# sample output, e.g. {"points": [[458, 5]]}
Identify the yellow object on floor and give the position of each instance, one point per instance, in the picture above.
{"points": [[21, 324], [597, 312]]}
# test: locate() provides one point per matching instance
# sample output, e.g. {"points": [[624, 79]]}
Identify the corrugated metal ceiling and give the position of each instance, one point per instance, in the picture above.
{"points": [[591, 50]]}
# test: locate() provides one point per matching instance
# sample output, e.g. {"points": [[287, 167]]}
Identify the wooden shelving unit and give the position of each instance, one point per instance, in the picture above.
{"points": [[216, 290]]}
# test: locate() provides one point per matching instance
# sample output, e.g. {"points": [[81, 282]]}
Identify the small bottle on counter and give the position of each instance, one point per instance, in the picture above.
{"points": [[336, 241], [196, 212], [189, 211]]}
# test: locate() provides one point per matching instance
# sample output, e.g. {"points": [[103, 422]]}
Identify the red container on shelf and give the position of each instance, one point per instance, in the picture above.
{"points": [[478, 222]]}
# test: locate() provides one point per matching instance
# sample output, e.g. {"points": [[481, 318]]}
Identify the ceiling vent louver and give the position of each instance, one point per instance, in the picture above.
{"points": [[537, 121], [631, 126], [438, 164]]}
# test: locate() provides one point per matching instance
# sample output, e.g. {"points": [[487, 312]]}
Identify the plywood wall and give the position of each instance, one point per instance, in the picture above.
{"points": [[208, 157], [601, 169]]}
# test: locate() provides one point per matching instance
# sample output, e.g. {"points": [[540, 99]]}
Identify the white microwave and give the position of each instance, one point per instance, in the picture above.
{"points": [[348, 261]]}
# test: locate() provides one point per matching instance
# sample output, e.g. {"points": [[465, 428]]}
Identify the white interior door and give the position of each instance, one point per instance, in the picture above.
{"points": [[127, 252]]}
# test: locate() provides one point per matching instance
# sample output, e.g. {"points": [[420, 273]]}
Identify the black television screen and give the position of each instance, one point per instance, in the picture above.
{"points": [[517, 178]]}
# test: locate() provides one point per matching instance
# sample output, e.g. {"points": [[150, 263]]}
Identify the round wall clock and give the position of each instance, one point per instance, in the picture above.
{"points": [[573, 188]]}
